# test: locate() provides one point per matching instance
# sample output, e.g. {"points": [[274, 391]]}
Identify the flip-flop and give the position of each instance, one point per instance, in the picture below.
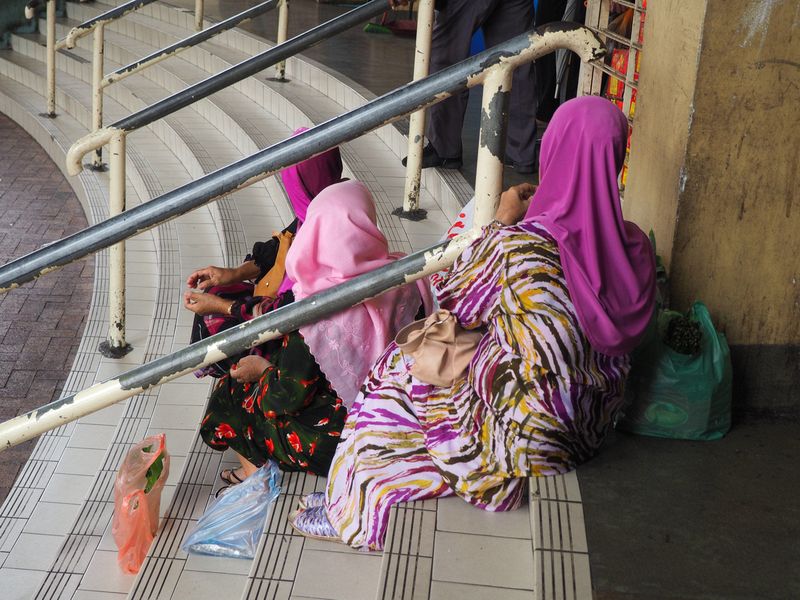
{"points": [[313, 523], [311, 500], [230, 477]]}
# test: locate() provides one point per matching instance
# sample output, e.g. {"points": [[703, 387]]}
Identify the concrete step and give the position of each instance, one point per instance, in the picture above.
{"points": [[80, 557], [164, 23]]}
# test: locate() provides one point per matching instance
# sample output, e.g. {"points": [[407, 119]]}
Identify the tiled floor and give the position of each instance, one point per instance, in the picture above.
{"points": [[435, 549], [670, 519]]}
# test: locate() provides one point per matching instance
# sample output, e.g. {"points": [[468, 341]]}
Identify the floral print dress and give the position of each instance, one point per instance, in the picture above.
{"points": [[290, 414]]}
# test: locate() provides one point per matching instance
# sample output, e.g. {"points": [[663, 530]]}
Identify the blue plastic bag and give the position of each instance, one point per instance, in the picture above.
{"points": [[232, 525], [675, 395]]}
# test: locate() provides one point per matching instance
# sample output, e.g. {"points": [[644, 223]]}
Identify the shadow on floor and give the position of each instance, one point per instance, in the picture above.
{"points": [[668, 519]]}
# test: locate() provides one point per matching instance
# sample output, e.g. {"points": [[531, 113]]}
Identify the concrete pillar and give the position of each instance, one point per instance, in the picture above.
{"points": [[715, 171]]}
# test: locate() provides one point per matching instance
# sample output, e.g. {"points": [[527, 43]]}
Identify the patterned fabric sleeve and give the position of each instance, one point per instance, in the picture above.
{"points": [[251, 307], [289, 385], [471, 288]]}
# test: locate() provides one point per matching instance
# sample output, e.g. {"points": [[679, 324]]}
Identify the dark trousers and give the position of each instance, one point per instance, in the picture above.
{"points": [[452, 32], [547, 12]]}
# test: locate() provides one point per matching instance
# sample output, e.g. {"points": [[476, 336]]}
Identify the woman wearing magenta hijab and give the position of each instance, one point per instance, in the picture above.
{"points": [[562, 288], [289, 403], [231, 296]]}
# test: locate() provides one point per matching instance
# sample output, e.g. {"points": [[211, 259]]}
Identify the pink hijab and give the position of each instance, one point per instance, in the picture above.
{"points": [[608, 262], [341, 240], [306, 179]]}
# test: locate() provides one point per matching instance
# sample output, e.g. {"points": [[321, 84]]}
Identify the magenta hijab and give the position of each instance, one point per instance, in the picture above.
{"points": [[608, 262], [340, 240], [306, 179]]}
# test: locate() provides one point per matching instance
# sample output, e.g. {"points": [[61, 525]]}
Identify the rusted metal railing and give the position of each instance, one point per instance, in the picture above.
{"points": [[493, 68], [116, 345], [416, 126], [190, 41]]}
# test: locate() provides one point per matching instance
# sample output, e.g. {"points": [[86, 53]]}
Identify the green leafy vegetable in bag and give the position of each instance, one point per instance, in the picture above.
{"points": [[683, 335], [153, 471]]}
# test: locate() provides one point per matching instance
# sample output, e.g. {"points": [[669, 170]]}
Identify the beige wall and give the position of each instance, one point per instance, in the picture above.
{"points": [[715, 165], [668, 71]]}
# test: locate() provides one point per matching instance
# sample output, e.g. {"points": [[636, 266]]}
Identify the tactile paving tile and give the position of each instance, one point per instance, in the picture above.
{"points": [[561, 558], [278, 557], [78, 548], [165, 562], [407, 565]]}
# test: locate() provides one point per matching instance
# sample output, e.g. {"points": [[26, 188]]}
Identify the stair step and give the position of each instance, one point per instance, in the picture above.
{"points": [[254, 114]]}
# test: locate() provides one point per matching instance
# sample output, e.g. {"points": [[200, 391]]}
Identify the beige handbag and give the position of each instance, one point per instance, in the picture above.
{"points": [[440, 347]]}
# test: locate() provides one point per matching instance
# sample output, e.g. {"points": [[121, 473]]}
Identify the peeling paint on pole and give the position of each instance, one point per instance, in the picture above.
{"points": [[233, 341], [189, 42], [386, 109]]}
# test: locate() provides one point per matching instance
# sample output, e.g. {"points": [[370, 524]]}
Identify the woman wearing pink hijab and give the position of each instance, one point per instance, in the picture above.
{"points": [[230, 296], [289, 403], [564, 288]]}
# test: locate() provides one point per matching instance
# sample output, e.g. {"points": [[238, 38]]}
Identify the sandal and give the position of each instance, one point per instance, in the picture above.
{"points": [[230, 477], [311, 500], [313, 523]]}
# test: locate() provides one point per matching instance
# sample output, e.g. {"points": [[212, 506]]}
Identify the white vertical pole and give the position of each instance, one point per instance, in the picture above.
{"points": [[115, 346], [590, 78], [97, 90], [416, 129], [51, 58], [492, 143], [283, 35], [198, 15]]}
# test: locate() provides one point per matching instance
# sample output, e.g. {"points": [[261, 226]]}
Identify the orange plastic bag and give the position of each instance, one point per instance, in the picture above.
{"points": [[137, 500]]}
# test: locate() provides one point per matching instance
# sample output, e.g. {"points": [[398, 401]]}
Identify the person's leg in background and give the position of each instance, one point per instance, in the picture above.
{"points": [[455, 24], [510, 18], [547, 11]]}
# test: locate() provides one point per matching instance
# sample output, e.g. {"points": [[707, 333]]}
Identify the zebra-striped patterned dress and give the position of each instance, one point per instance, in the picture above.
{"points": [[537, 400]]}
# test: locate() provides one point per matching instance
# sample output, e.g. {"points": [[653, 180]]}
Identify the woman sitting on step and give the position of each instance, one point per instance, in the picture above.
{"points": [[562, 288], [290, 402], [228, 297]]}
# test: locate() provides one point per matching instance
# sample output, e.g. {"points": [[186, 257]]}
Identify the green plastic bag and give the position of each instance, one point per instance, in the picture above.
{"points": [[675, 395]]}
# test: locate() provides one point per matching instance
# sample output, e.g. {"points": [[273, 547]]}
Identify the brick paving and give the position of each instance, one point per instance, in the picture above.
{"points": [[41, 322]]}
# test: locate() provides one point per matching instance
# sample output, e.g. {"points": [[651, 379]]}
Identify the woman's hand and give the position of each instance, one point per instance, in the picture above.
{"points": [[212, 276], [249, 369], [514, 203], [206, 304]]}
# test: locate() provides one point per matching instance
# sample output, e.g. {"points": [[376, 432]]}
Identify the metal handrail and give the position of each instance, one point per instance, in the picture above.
{"points": [[96, 24], [222, 80], [30, 8], [230, 342], [110, 15], [388, 108], [493, 68], [100, 82], [425, 13], [116, 346], [190, 41]]}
